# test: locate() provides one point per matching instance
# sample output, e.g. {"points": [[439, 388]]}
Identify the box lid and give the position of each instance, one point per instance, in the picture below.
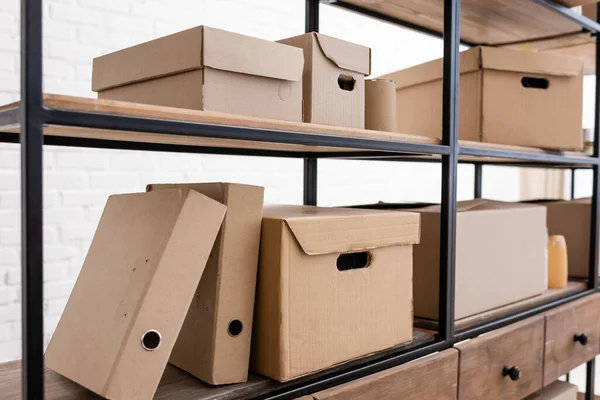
{"points": [[323, 230], [482, 57], [193, 49], [346, 55], [481, 205]]}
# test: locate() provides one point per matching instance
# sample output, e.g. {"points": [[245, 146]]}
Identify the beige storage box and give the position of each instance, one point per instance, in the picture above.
{"points": [[571, 218], [214, 342], [500, 255], [506, 96], [134, 290], [334, 79], [206, 69], [558, 390], [334, 284], [380, 105]]}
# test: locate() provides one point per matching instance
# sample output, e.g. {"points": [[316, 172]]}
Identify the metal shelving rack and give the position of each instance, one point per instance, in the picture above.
{"points": [[32, 115]]}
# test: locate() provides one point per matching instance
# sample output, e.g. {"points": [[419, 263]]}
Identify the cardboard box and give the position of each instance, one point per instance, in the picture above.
{"points": [[506, 96], [214, 342], [380, 105], [334, 284], [206, 69], [558, 390], [575, 3], [333, 82], [571, 218], [500, 255], [134, 290]]}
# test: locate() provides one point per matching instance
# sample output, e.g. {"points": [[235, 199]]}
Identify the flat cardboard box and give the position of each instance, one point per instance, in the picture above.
{"points": [[134, 290], [205, 68], [500, 255], [558, 390], [506, 97], [571, 218], [334, 284], [333, 82], [214, 342]]}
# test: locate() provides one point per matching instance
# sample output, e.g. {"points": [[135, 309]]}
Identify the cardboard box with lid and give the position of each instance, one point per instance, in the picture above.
{"points": [[558, 390], [334, 284], [134, 290], [214, 342], [333, 82], [572, 219], [206, 68], [505, 97], [500, 255]]}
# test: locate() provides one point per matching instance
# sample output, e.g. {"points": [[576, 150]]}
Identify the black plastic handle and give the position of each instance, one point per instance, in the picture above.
{"points": [[514, 373], [582, 338]]}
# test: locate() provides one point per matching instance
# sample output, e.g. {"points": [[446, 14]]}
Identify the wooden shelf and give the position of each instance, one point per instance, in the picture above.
{"points": [[175, 383], [547, 297], [482, 22], [118, 108]]}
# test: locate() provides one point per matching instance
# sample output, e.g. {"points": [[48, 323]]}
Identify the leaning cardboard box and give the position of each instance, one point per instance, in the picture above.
{"points": [[134, 290], [572, 219], [333, 83], [500, 255], [334, 284], [214, 342], [205, 68], [506, 97], [558, 390]]}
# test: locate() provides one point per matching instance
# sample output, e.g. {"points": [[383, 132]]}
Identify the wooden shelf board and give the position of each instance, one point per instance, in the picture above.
{"points": [[483, 22], [548, 296], [175, 384], [80, 104]]}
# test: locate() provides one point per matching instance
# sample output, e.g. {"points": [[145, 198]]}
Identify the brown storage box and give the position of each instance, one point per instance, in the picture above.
{"points": [[214, 342], [558, 390], [500, 255], [206, 69], [571, 218], [333, 82], [333, 284], [134, 290], [575, 3], [506, 96]]}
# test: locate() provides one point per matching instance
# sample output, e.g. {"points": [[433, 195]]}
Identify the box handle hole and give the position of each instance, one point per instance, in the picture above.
{"points": [[535, 83], [151, 340], [235, 328], [346, 82], [348, 261]]}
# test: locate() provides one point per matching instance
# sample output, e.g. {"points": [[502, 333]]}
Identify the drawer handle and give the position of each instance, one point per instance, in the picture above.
{"points": [[581, 338], [514, 373]]}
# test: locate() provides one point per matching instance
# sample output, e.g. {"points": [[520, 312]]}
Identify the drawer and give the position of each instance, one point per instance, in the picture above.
{"points": [[572, 336], [432, 377], [504, 364]]}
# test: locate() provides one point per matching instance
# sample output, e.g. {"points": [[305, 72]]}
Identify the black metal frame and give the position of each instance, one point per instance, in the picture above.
{"points": [[32, 115]]}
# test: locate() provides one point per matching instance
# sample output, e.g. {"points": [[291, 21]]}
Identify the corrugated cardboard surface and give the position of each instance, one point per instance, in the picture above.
{"points": [[325, 59], [141, 271], [571, 218], [558, 390], [500, 256], [226, 291], [208, 69], [380, 105], [309, 315], [495, 107]]}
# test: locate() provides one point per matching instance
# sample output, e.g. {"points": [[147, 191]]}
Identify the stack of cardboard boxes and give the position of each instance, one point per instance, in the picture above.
{"points": [[172, 274]]}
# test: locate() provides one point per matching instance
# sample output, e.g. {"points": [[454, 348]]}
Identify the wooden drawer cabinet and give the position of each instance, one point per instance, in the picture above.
{"points": [[433, 377], [504, 364], [572, 336]]}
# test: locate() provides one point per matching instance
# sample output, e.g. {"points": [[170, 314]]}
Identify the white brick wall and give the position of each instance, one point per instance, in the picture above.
{"points": [[78, 181]]}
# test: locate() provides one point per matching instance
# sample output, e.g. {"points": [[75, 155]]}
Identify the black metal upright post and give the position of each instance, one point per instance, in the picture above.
{"points": [[449, 169], [478, 180], [31, 116], [310, 164], [573, 173]]}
